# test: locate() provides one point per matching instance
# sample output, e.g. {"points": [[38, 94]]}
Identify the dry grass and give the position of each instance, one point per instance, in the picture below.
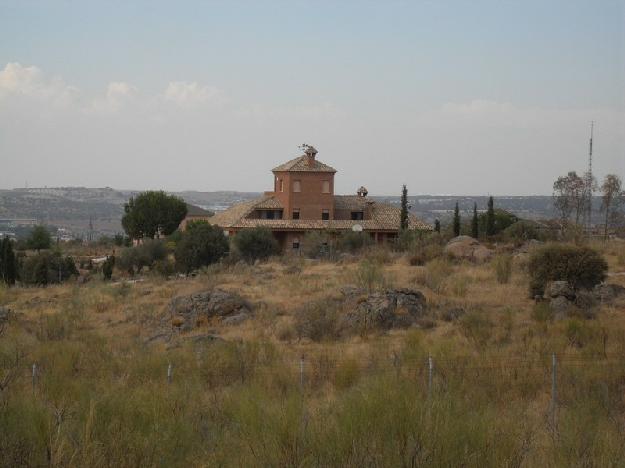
{"points": [[245, 392]]}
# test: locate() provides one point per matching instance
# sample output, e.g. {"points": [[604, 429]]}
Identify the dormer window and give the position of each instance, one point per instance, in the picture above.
{"points": [[325, 186], [295, 213], [357, 215], [325, 215], [297, 186]]}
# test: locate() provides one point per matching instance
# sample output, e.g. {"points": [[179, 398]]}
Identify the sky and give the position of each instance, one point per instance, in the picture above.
{"points": [[465, 97]]}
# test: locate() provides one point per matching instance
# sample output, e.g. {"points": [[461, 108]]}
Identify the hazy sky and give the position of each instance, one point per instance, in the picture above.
{"points": [[458, 97]]}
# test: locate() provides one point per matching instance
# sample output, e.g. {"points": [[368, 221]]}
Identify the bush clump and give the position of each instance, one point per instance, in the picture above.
{"points": [[134, 259], [200, 245], [47, 268], [317, 320], [256, 244], [370, 275], [351, 241], [581, 267], [502, 264]]}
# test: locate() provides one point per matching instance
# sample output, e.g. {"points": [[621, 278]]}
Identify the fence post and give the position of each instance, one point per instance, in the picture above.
{"points": [[430, 371], [301, 373], [554, 389], [34, 375], [169, 373]]}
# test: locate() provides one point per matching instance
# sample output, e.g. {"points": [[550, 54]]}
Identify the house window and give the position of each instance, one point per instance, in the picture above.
{"points": [[295, 213], [325, 215], [270, 214], [297, 186], [281, 185], [325, 186], [296, 243], [357, 215]]}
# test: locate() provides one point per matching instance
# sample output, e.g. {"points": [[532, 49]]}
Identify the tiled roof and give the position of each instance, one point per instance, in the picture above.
{"points": [[269, 203], [384, 217], [193, 210], [301, 164], [350, 202]]}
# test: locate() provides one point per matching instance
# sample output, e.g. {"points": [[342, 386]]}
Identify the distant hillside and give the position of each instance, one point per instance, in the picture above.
{"points": [[74, 207]]}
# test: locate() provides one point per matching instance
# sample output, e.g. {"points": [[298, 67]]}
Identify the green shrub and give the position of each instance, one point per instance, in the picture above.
{"points": [[524, 230], [502, 265], [47, 268], [317, 245], [581, 267], [351, 241], [200, 245], [256, 244], [134, 259]]}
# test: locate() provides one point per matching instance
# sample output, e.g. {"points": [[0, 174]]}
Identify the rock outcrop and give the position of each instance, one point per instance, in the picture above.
{"points": [[467, 248], [393, 308], [187, 312], [565, 301]]}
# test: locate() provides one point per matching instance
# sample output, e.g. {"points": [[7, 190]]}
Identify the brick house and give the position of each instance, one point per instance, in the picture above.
{"points": [[303, 200]]}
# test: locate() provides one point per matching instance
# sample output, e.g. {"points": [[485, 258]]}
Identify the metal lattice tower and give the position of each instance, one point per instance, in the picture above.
{"points": [[589, 179]]}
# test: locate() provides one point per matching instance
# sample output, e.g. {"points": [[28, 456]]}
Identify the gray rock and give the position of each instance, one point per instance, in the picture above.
{"points": [[5, 314], [586, 303], [560, 289], [399, 308], [467, 248], [236, 319], [351, 291], [188, 311], [605, 292], [561, 307]]}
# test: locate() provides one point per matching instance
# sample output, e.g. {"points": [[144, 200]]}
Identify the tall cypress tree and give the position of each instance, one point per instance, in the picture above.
{"points": [[490, 217], [456, 220], [474, 226], [403, 223], [8, 265], [437, 226]]}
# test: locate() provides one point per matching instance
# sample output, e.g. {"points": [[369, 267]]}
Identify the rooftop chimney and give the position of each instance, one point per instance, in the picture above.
{"points": [[310, 153]]}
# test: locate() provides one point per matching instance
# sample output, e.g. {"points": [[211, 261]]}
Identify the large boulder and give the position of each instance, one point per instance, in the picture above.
{"points": [[187, 312], [467, 248], [394, 308], [605, 292]]}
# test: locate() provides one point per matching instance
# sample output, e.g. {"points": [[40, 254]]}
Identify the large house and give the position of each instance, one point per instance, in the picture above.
{"points": [[303, 200]]}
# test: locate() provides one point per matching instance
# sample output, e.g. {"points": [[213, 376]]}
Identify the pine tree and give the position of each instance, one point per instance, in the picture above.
{"points": [[403, 223], [474, 224], [437, 226], [456, 220], [490, 217]]}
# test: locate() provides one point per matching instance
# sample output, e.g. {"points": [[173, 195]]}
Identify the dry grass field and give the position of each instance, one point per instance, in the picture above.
{"points": [[259, 393]]}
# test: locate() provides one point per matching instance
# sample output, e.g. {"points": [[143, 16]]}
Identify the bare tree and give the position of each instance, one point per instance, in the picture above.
{"points": [[569, 194], [611, 198]]}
